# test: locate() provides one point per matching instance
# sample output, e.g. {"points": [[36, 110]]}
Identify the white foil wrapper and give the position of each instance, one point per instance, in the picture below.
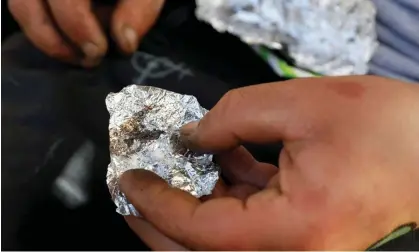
{"points": [[144, 134], [330, 37]]}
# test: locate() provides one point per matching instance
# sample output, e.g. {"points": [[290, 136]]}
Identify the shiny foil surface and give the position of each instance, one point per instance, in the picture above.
{"points": [[329, 37], [144, 134]]}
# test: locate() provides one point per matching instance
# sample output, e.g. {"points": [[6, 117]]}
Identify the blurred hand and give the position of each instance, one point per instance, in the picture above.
{"points": [[63, 28], [348, 173]]}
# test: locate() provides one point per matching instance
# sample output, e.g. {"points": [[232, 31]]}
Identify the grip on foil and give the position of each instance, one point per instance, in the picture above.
{"points": [[144, 134]]}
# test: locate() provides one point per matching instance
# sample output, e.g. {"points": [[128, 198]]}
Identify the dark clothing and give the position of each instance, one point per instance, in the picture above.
{"points": [[49, 109]]}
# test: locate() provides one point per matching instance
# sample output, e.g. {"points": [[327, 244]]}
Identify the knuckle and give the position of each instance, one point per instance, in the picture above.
{"points": [[232, 98], [236, 93]]}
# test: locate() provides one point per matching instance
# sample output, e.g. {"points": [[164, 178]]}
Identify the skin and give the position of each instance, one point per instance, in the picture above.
{"points": [[348, 173], [73, 30]]}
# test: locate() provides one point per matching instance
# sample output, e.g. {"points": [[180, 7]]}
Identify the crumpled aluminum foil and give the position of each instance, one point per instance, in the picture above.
{"points": [[330, 37], [144, 134]]}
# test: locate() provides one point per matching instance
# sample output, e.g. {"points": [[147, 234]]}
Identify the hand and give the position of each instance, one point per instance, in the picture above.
{"points": [[348, 173], [51, 24]]}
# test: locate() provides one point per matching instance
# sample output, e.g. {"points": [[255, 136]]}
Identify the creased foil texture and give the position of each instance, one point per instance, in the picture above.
{"points": [[144, 134], [330, 37]]}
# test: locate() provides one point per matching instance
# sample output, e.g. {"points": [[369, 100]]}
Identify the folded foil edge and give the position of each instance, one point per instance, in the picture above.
{"points": [[144, 134], [328, 37]]}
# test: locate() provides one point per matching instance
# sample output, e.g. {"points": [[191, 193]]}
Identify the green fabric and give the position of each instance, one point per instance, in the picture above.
{"points": [[402, 230], [280, 66]]}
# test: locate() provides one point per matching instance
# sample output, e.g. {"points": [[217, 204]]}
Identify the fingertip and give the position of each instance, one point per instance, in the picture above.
{"points": [[206, 137], [188, 130], [93, 53], [124, 33], [131, 180], [127, 39], [125, 36], [189, 136], [91, 50], [77, 21], [97, 48], [131, 21], [127, 180]]}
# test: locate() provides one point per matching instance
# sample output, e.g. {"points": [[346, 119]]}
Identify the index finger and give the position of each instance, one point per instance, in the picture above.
{"points": [[38, 26], [258, 114], [214, 224], [77, 20], [131, 21]]}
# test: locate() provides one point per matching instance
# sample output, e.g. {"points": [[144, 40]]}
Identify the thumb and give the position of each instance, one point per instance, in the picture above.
{"points": [[131, 21], [151, 236]]}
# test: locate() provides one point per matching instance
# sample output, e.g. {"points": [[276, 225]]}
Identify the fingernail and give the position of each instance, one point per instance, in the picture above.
{"points": [[188, 129], [91, 51], [131, 38], [187, 133]]}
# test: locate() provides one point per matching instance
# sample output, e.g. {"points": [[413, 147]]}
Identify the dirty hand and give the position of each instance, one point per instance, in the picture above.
{"points": [[73, 30], [348, 173]]}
